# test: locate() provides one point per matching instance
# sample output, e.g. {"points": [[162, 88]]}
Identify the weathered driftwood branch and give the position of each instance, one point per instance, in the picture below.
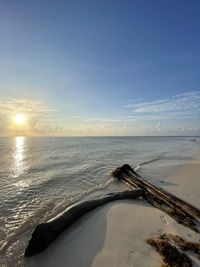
{"points": [[45, 233], [180, 210]]}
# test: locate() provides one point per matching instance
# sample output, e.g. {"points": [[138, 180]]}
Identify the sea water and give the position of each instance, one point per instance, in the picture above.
{"points": [[40, 177]]}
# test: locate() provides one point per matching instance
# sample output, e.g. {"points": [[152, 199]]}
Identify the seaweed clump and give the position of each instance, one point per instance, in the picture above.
{"points": [[172, 248], [184, 245]]}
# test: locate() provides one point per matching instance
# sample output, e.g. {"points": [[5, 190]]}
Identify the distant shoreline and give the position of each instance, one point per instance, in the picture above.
{"points": [[103, 136]]}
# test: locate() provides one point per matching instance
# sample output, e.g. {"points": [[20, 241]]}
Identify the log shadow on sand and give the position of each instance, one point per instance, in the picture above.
{"points": [[78, 245]]}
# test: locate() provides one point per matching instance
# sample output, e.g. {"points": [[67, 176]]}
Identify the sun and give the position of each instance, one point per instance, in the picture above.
{"points": [[20, 119]]}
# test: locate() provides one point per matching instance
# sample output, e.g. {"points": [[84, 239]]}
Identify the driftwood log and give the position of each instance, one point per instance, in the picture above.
{"points": [[180, 210], [45, 233]]}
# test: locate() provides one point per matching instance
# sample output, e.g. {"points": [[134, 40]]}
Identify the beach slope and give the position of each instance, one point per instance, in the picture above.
{"points": [[115, 235]]}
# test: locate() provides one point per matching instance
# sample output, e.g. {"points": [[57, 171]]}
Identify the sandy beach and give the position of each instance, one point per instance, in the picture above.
{"points": [[185, 182], [115, 234]]}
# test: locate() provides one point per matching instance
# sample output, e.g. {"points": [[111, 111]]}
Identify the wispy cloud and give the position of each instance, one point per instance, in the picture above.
{"points": [[110, 120], [176, 115], [10, 106], [180, 102], [40, 117]]}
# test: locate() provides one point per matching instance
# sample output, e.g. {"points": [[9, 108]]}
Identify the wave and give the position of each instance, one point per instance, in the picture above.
{"points": [[139, 166], [195, 140], [66, 202], [49, 210], [161, 158]]}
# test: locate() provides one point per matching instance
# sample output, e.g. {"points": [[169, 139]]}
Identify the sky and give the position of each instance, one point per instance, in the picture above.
{"points": [[100, 67]]}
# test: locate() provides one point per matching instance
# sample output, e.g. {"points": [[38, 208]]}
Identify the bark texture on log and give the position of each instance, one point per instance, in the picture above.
{"points": [[177, 208], [45, 233]]}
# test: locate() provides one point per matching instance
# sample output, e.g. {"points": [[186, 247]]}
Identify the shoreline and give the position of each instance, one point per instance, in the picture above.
{"points": [[185, 183], [115, 234]]}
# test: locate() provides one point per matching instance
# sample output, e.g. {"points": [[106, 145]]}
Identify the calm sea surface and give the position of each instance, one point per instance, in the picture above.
{"points": [[40, 177]]}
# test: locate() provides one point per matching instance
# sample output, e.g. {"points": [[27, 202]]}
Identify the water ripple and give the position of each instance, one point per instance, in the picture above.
{"points": [[40, 177]]}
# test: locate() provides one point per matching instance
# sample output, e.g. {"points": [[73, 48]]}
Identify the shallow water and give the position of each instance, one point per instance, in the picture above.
{"points": [[40, 177]]}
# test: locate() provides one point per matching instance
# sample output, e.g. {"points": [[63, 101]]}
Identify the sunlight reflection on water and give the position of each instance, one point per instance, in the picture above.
{"points": [[19, 155]]}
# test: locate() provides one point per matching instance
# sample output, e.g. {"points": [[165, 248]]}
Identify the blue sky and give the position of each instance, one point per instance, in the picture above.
{"points": [[100, 67]]}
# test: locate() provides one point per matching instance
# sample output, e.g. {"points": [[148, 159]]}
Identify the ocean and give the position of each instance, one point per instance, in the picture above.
{"points": [[41, 176]]}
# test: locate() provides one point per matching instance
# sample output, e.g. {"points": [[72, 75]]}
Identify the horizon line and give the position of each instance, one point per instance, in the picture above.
{"points": [[63, 136]]}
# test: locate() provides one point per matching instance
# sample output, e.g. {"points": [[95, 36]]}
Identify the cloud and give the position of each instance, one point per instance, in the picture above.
{"points": [[180, 102], [172, 116], [11, 106], [40, 117], [158, 126], [110, 120]]}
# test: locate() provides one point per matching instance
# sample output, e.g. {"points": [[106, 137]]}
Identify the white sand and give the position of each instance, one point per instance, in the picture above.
{"points": [[185, 183], [114, 235]]}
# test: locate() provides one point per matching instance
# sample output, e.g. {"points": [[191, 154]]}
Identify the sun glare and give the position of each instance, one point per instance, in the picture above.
{"points": [[20, 119]]}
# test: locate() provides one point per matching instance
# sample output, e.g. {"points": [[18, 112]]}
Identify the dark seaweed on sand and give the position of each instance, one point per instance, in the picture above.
{"points": [[172, 248]]}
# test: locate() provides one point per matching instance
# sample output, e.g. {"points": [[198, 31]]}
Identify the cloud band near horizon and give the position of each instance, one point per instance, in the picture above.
{"points": [[170, 116]]}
